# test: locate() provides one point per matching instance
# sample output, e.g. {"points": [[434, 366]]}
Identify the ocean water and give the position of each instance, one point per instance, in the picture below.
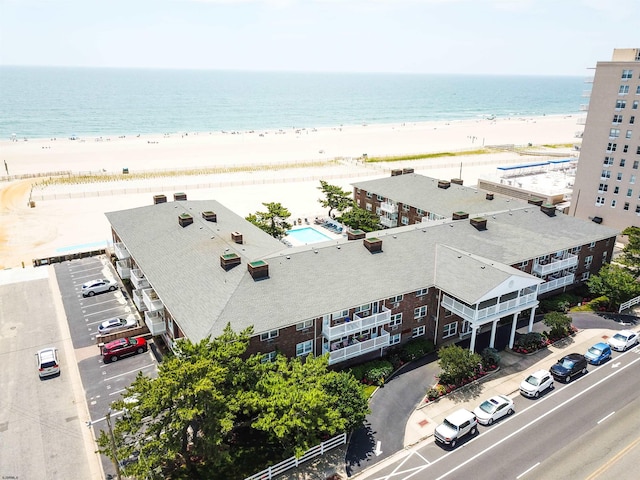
{"points": [[42, 102]]}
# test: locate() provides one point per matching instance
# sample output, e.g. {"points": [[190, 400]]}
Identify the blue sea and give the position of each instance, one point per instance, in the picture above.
{"points": [[42, 102]]}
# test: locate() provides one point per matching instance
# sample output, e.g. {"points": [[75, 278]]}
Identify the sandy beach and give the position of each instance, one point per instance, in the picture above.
{"points": [[278, 166]]}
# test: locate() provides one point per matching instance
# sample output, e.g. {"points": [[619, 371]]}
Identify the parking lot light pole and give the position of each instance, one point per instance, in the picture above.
{"points": [[113, 444]]}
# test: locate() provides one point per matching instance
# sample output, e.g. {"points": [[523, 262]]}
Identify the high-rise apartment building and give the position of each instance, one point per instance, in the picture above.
{"points": [[607, 183]]}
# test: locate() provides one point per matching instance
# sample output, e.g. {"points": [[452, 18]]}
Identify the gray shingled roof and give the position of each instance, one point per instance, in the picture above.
{"points": [[182, 264], [423, 192]]}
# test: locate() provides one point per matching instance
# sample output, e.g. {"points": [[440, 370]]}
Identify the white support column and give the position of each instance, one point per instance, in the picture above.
{"points": [[514, 323], [492, 341], [531, 317], [474, 330]]}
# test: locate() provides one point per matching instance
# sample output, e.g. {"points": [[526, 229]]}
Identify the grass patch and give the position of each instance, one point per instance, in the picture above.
{"points": [[423, 156], [369, 389], [559, 145]]}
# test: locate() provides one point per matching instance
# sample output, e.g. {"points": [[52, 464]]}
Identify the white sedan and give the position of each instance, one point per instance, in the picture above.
{"points": [[116, 324], [623, 339], [494, 409], [98, 285]]}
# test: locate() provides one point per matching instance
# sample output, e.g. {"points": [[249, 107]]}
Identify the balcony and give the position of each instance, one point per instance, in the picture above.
{"points": [[151, 300], [584, 107], [555, 264], [485, 315], [389, 207], [120, 250], [581, 121], [556, 283], [388, 222], [155, 323], [589, 79], [137, 299], [355, 326], [586, 93], [123, 267], [358, 348], [138, 279]]}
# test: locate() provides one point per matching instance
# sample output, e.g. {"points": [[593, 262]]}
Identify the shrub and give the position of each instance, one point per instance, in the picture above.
{"points": [[377, 371], [490, 357], [559, 303], [415, 349], [359, 371], [457, 364], [530, 342], [559, 323]]}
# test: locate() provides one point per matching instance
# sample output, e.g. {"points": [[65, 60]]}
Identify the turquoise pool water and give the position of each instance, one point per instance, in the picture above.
{"points": [[307, 235]]}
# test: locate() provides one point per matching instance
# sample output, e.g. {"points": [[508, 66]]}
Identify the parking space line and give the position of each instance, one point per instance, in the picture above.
{"points": [[103, 311], [129, 372], [118, 391]]}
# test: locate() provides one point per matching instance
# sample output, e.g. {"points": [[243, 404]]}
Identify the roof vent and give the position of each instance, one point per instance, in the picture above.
{"points": [[185, 219], [355, 234], [444, 183], [373, 244], [597, 220], [229, 260], [159, 199], [535, 201], [396, 172], [407, 170], [457, 181], [236, 237], [179, 196], [479, 223], [210, 216], [460, 215], [548, 209], [489, 196], [258, 269]]}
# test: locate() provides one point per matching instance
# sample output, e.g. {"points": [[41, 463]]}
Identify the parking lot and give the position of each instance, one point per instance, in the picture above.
{"points": [[103, 382]]}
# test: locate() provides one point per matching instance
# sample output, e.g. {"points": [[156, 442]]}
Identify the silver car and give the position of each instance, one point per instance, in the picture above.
{"points": [[99, 285], [116, 324]]}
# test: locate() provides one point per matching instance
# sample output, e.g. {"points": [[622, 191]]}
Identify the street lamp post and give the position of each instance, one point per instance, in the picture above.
{"points": [[112, 439]]}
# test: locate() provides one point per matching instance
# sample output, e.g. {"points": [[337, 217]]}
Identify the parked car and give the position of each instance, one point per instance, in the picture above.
{"points": [[455, 426], [116, 324], [47, 362], [569, 366], [123, 347], [623, 339], [536, 383], [493, 409], [99, 285], [598, 354]]}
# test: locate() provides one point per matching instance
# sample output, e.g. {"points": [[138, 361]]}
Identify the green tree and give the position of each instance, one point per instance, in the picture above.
{"points": [[457, 363], [334, 197], [353, 404], [273, 221], [360, 219], [631, 252], [615, 283], [559, 323]]}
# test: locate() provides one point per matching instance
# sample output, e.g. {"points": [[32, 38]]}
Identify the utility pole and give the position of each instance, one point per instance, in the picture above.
{"points": [[114, 457]]}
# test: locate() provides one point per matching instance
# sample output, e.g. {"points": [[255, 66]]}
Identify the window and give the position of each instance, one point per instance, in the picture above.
{"points": [[628, 134], [622, 162], [418, 331], [378, 211], [608, 161], [636, 164], [632, 179], [616, 190], [592, 244], [638, 209], [525, 263], [619, 177], [420, 312], [588, 261], [623, 90], [620, 104], [447, 312], [269, 335], [576, 250], [405, 207], [632, 119], [614, 132], [369, 194], [634, 106], [617, 118], [599, 201], [605, 174], [604, 257], [396, 299], [269, 357], [396, 320], [394, 339], [340, 314], [585, 276], [629, 192], [304, 348], [363, 308], [380, 198], [613, 203], [626, 205], [419, 211], [627, 74], [405, 220], [369, 207], [422, 292], [450, 329], [305, 324], [625, 149], [638, 90], [603, 187], [638, 151], [611, 147]]}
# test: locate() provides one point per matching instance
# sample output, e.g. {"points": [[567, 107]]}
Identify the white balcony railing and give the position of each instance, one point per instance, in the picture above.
{"points": [[121, 251], [489, 313], [123, 268], [388, 222], [155, 323], [356, 325], [137, 299], [138, 280], [151, 300], [581, 121], [389, 207], [359, 348], [556, 283], [555, 264], [584, 107]]}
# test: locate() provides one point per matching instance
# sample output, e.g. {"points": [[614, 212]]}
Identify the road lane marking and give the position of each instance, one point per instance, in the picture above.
{"points": [[613, 460], [378, 450], [128, 373], [527, 471], [603, 419]]}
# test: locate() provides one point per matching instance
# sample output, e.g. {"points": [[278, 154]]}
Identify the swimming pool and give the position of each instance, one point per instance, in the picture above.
{"points": [[307, 235]]}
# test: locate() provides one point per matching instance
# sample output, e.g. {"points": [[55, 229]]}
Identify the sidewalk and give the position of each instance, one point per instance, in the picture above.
{"points": [[506, 381]]}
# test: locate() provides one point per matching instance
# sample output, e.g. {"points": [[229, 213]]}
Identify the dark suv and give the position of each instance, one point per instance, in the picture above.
{"points": [[569, 366]]}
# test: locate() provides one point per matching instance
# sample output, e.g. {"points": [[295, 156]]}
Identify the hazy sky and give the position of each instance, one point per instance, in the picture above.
{"points": [[555, 37]]}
